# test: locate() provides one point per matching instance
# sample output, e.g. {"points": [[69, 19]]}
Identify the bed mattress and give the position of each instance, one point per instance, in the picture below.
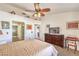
{"points": [[27, 48]]}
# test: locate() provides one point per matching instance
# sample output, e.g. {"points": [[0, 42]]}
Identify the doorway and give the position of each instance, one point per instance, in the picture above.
{"points": [[37, 31], [17, 31]]}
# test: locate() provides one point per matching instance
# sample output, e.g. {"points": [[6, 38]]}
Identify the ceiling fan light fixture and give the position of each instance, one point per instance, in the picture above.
{"points": [[37, 14]]}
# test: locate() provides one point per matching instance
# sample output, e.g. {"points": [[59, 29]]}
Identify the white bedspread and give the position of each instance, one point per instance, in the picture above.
{"points": [[28, 48], [49, 51]]}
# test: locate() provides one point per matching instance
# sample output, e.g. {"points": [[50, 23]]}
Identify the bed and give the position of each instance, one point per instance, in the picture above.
{"points": [[28, 48]]}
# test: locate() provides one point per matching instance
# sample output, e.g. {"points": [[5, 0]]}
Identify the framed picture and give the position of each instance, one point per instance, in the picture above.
{"points": [[5, 24], [72, 25], [29, 26]]}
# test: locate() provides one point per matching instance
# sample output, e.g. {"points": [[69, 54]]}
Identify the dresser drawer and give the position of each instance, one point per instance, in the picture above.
{"points": [[55, 39]]}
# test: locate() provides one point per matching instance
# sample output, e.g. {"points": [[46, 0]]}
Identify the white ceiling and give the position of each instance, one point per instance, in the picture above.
{"points": [[19, 8], [55, 7]]}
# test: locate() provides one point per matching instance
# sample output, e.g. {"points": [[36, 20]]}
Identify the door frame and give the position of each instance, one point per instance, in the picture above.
{"points": [[22, 24], [36, 25]]}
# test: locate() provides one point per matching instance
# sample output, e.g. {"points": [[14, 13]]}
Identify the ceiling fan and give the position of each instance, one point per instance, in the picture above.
{"points": [[39, 11]]}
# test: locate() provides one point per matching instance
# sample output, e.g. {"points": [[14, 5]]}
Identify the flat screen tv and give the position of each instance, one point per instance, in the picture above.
{"points": [[54, 30]]}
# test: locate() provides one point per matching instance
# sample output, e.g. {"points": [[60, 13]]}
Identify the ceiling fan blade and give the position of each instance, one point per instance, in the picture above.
{"points": [[45, 10], [38, 11], [36, 6], [42, 14]]}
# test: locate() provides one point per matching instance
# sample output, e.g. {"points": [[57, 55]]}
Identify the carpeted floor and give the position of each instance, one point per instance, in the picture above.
{"points": [[66, 52]]}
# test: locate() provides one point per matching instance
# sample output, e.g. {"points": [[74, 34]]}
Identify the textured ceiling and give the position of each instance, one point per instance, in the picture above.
{"points": [[19, 8], [55, 7]]}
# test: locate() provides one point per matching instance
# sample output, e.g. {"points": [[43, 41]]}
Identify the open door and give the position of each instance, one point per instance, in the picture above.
{"points": [[17, 31], [37, 31]]}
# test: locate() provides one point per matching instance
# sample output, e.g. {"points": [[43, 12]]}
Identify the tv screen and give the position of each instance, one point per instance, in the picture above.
{"points": [[54, 30]]}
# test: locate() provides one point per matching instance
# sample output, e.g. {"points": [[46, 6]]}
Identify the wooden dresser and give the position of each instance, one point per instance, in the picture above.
{"points": [[55, 39]]}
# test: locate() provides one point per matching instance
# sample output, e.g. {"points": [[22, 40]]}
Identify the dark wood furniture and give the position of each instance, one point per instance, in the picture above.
{"points": [[55, 39]]}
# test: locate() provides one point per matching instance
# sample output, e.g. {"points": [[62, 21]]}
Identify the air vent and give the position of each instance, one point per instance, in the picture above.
{"points": [[12, 12]]}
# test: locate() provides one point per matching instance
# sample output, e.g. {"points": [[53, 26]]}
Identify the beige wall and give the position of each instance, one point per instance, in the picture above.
{"points": [[4, 16], [60, 20]]}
